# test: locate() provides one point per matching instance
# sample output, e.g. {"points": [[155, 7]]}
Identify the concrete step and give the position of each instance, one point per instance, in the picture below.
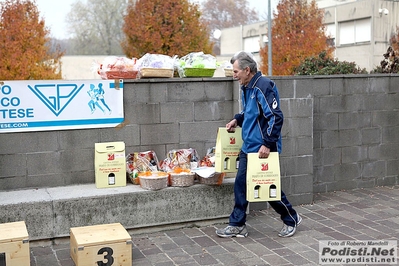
{"points": [[50, 212]]}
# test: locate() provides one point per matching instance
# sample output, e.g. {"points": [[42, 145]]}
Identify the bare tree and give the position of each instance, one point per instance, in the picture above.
{"points": [[221, 14], [96, 27]]}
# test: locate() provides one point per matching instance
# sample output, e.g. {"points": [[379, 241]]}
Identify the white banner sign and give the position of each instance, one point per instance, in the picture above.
{"points": [[42, 105]]}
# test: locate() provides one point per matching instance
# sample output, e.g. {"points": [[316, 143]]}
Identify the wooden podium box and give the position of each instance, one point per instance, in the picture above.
{"points": [[14, 244], [106, 244]]}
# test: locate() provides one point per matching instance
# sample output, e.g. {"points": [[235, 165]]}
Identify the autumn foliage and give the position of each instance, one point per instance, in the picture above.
{"points": [[169, 27], [221, 14], [297, 33], [24, 51]]}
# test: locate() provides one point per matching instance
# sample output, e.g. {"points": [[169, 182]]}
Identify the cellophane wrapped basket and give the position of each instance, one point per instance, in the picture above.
{"points": [[156, 66], [182, 178], [216, 179], [153, 180], [196, 64], [138, 162], [114, 67]]}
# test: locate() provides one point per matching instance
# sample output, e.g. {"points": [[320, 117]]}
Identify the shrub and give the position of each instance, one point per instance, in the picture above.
{"points": [[324, 65], [390, 64]]}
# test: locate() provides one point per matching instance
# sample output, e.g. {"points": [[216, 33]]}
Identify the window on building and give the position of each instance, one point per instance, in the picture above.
{"points": [[251, 44], [330, 33], [355, 31]]}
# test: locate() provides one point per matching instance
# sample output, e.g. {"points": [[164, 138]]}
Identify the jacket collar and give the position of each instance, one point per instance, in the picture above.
{"points": [[253, 81]]}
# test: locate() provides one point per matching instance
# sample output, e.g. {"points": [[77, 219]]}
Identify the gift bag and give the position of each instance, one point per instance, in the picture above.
{"points": [[263, 178], [227, 150]]}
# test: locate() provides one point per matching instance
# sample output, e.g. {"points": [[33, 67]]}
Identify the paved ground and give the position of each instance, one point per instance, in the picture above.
{"points": [[362, 214]]}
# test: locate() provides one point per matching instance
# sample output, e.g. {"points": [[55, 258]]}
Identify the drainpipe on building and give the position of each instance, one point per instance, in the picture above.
{"points": [[269, 36]]}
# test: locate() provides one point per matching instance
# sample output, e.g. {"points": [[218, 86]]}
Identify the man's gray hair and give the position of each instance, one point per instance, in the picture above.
{"points": [[245, 59]]}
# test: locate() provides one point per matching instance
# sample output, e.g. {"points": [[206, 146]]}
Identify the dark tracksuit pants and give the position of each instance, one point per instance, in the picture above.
{"points": [[238, 216]]}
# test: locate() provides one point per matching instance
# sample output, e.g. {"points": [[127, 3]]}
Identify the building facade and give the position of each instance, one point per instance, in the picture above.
{"points": [[360, 31]]}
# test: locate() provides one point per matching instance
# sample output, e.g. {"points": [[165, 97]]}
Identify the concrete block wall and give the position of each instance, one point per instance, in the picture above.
{"points": [[160, 115], [340, 132], [355, 125]]}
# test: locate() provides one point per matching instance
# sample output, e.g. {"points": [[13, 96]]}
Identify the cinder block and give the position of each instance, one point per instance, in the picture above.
{"points": [[331, 104], [76, 160], [143, 113], [304, 145], [206, 111], [302, 184], [347, 172], [43, 163], [16, 165], [297, 108], [385, 118], [393, 168], [28, 142], [183, 92], [129, 133], [300, 127], [297, 166], [387, 180], [349, 137], [336, 86], [219, 91], [393, 84], [71, 139], [18, 182], [352, 120], [177, 112], [374, 169], [330, 139], [285, 87], [347, 185], [159, 134], [356, 85], [51, 180], [200, 131], [354, 154], [331, 156]]}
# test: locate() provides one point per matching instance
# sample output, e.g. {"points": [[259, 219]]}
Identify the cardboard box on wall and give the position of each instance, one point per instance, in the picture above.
{"points": [[110, 164], [228, 146], [14, 244], [263, 178], [105, 244]]}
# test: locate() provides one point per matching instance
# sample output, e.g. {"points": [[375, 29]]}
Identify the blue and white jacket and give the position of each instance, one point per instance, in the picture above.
{"points": [[261, 118]]}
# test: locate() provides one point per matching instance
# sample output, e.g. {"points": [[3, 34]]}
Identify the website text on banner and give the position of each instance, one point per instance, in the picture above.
{"points": [[42, 105]]}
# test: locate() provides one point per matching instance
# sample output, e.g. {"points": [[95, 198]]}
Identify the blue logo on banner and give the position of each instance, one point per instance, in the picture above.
{"points": [[56, 96]]}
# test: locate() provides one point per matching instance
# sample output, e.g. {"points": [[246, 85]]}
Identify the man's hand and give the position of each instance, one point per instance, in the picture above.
{"points": [[230, 126], [264, 152]]}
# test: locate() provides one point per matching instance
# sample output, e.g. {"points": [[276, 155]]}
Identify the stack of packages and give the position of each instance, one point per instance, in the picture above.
{"points": [[143, 169], [197, 65], [114, 67], [156, 66], [179, 165], [180, 168], [206, 173]]}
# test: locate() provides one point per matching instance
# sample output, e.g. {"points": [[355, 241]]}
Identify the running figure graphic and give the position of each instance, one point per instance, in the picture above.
{"points": [[100, 96], [93, 102]]}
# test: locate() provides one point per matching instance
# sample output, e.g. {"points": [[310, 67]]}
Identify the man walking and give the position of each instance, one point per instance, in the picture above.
{"points": [[261, 121]]}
